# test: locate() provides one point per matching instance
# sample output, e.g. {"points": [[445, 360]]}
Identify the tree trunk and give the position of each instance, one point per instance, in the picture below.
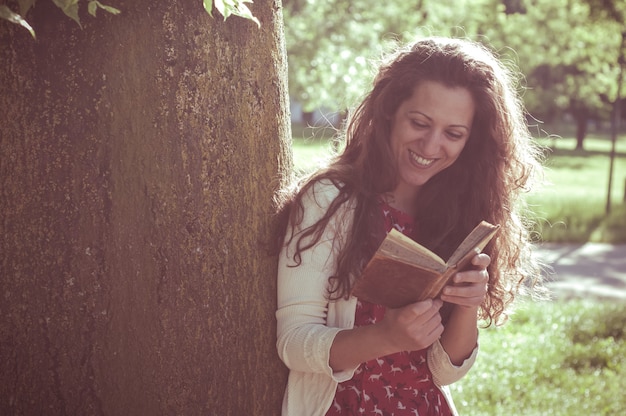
{"points": [[138, 158], [581, 116]]}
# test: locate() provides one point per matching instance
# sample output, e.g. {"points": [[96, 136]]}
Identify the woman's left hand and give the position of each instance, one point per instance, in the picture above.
{"points": [[469, 287]]}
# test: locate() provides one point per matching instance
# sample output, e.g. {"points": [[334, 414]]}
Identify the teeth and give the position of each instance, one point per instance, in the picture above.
{"points": [[420, 160]]}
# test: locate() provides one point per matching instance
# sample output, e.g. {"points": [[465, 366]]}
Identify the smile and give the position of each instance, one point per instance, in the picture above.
{"points": [[420, 161]]}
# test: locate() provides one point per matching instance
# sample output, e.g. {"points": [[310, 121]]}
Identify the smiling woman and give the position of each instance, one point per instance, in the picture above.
{"points": [[438, 144], [428, 133]]}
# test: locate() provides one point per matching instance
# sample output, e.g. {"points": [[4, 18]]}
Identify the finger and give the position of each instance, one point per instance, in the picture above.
{"points": [[464, 301], [470, 294], [429, 319], [471, 276], [418, 312], [426, 307], [435, 332], [481, 260], [466, 291], [431, 327]]}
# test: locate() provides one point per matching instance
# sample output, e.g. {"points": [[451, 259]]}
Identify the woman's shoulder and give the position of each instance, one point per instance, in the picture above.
{"points": [[321, 191], [326, 194]]}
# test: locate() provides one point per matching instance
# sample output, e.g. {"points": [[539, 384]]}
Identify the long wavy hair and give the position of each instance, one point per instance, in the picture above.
{"points": [[499, 162]]}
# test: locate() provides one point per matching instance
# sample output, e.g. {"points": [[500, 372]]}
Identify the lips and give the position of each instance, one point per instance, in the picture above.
{"points": [[419, 160]]}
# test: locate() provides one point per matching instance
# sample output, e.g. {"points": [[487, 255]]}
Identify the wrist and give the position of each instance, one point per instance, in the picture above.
{"points": [[384, 339], [465, 313], [352, 347]]}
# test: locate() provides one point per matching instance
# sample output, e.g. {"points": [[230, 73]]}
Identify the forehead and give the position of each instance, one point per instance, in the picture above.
{"points": [[455, 105]]}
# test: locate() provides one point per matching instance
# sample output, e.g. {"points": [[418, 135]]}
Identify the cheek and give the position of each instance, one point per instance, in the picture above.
{"points": [[454, 153], [396, 145], [457, 149]]}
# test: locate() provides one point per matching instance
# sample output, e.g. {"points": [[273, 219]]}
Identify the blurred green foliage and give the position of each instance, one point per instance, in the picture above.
{"points": [[568, 50]]}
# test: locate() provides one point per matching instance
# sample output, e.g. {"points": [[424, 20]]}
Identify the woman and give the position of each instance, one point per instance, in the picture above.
{"points": [[439, 144]]}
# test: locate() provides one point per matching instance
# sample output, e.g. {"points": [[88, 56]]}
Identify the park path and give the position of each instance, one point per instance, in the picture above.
{"points": [[590, 270]]}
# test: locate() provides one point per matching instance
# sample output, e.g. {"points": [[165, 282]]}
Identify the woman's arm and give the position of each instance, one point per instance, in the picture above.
{"points": [[410, 328], [304, 338], [467, 293]]}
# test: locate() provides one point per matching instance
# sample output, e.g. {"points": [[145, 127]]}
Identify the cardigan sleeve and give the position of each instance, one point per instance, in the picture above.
{"points": [[303, 335], [443, 371]]}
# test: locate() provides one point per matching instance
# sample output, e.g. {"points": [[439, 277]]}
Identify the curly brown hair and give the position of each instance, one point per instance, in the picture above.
{"points": [[499, 161]]}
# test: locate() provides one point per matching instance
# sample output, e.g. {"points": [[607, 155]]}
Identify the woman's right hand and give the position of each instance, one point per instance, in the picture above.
{"points": [[412, 327]]}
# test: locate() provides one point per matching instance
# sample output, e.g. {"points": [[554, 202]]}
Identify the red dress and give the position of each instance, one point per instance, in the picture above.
{"points": [[397, 384]]}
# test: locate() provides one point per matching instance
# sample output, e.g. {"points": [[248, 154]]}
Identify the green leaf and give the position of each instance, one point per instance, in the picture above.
{"points": [[241, 10], [208, 6], [25, 6], [70, 8], [231, 7], [8, 14], [221, 7], [94, 5]]}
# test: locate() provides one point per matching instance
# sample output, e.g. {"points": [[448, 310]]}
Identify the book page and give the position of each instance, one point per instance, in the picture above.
{"points": [[474, 242], [400, 247]]}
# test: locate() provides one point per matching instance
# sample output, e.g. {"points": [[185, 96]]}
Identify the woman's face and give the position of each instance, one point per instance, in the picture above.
{"points": [[429, 130]]}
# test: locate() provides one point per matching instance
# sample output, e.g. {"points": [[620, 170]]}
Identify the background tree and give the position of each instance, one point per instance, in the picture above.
{"points": [[332, 44], [613, 14], [565, 74], [138, 158]]}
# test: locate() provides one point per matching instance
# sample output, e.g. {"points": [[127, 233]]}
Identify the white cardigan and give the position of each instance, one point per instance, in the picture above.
{"points": [[307, 322]]}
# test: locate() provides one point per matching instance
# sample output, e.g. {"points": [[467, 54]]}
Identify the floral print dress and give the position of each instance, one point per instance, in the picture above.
{"points": [[398, 384]]}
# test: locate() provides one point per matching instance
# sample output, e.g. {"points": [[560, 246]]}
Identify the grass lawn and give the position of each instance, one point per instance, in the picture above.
{"points": [[311, 147], [571, 207], [550, 359]]}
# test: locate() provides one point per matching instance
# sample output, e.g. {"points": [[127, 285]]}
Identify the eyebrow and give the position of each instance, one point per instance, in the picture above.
{"points": [[430, 119]]}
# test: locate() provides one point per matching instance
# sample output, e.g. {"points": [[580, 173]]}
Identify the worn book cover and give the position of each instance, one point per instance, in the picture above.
{"points": [[403, 271]]}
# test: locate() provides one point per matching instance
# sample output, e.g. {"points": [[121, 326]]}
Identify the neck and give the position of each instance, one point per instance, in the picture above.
{"points": [[403, 199]]}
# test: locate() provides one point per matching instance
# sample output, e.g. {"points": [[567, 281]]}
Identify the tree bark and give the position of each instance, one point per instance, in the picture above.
{"points": [[138, 158]]}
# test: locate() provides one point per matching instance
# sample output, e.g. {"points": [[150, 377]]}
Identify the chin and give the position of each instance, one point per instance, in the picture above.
{"points": [[421, 181]]}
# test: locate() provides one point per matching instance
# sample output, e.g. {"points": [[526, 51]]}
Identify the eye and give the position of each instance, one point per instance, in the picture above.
{"points": [[419, 124], [455, 135]]}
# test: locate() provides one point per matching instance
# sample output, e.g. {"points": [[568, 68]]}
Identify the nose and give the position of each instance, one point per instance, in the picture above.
{"points": [[431, 142]]}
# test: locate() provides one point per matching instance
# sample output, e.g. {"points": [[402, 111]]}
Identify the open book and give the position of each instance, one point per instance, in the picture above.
{"points": [[403, 271]]}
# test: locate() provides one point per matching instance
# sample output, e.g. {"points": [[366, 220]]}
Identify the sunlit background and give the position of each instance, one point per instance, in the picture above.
{"points": [[567, 356]]}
